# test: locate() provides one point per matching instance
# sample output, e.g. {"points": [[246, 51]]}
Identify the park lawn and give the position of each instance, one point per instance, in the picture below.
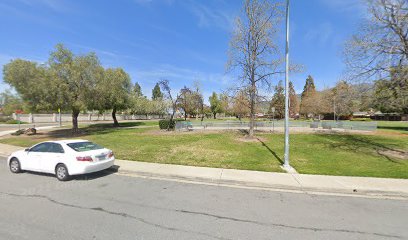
{"points": [[393, 126], [328, 154]]}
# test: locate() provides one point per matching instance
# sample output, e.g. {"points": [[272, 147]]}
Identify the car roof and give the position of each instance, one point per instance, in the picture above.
{"points": [[67, 141]]}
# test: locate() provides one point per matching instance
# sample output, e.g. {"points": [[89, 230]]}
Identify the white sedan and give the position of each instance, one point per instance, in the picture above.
{"points": [[62, 158]]}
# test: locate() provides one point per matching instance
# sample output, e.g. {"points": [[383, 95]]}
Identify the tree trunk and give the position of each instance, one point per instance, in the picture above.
{"points": [[252, 117], [172, 116], [215, 115], [185, 116], [115, 121], [75, 114]]}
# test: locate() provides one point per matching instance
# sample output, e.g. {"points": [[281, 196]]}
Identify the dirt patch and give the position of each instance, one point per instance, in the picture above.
{"points": [[394, 154]]}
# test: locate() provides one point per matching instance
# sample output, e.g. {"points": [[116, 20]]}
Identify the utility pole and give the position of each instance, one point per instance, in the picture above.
{"points": [[286, 164]]}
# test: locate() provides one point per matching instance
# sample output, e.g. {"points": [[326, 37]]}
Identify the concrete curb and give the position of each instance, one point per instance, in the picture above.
{"points": [[302, 183]]}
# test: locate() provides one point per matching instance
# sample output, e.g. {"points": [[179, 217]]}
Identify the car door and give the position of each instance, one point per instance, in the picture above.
{"points": [[35, 155], [53, 156]]}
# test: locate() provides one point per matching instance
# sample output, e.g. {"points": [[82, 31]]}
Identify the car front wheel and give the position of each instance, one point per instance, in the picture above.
{"points": [[15, 166], [61, 172]]}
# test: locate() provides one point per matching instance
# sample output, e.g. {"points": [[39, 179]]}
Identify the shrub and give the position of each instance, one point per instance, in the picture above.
{"points": [[165, 123]]}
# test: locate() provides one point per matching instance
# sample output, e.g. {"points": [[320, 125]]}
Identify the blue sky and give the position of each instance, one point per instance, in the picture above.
{"points": [[180, 40]]}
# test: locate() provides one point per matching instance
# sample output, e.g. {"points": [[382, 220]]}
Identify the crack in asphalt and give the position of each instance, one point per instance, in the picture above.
{"points": [[218, 217], [288, 226], [121, 214]]}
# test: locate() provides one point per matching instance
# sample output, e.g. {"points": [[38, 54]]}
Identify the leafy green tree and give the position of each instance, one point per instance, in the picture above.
{"points": [[392, 95], [308, 98], [241, 104], [137, 90], [293, 101], [114, 91], [158, 106], [278, 101], [185, 101], [76, 78], [343, 96], [140, 105], [67, 82], [190, 101], [156, 92], [9, 103], [226, 104], [215, 104], [32, 82]]}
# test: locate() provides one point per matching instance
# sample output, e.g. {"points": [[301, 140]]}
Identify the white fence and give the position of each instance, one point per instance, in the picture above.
{"points": [[50, 118]]}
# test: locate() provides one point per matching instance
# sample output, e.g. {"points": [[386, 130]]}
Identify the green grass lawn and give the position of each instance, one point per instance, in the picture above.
{"points": [[391, 126], [330, 154]]}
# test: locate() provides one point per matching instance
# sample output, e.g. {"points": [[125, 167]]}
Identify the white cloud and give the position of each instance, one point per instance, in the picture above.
{"points": [[321, 34], [55, 5], [180, 77], [211, 16], [345, 5]]}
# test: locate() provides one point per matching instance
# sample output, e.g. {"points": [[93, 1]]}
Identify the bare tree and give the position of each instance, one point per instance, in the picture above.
{"points": [[253, 49], [241, 105], [343, 96], [381, 43]]}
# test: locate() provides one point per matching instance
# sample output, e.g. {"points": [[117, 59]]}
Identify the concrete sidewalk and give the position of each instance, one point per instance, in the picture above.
{"points": [[356, 186], [4, 133]]}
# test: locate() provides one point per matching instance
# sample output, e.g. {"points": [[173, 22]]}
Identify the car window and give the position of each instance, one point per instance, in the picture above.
{"points": [[84, 146], [42, 147], [55, 148]]}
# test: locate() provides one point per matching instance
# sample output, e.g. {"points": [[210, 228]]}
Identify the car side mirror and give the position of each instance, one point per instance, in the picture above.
{"points": [[26, 150]]}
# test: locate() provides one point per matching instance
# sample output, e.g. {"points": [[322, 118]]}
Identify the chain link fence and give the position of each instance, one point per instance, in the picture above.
{"points": [[277, 125]]}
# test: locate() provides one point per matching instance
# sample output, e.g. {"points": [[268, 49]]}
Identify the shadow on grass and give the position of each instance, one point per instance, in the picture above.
{"points": [[394, 128], [94, 129], [271, 151], [360, 143], [244, 132]]}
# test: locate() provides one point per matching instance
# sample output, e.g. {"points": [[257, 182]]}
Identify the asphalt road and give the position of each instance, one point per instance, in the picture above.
{"points": [[110, 206]]}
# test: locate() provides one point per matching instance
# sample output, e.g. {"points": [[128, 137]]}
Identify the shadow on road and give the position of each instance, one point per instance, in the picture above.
{"points": [[84, 177]]}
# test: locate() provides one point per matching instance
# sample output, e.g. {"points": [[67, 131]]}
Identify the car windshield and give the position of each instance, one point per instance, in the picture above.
{"points": [[84, 146]]}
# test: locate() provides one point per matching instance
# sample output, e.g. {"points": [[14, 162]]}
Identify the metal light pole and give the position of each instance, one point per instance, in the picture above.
{"points": [[59, 117], [286, 164], [334, 109]]}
